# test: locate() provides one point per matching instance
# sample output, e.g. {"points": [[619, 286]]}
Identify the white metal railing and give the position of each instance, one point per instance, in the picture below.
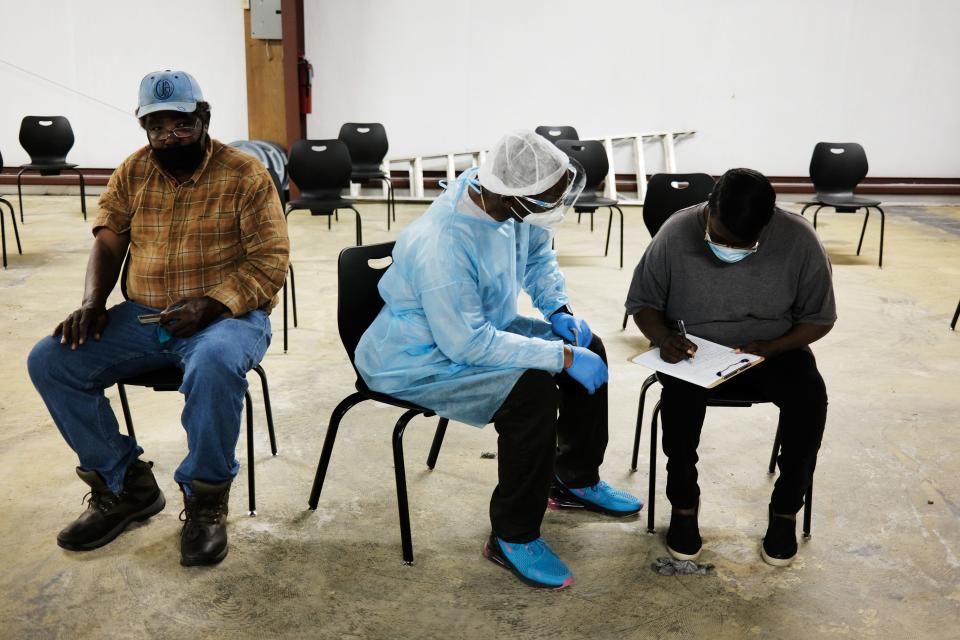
{"points": [[668, 139]]}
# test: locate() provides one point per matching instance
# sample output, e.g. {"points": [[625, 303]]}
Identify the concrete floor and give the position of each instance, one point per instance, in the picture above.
{"points": [[883, 561]]}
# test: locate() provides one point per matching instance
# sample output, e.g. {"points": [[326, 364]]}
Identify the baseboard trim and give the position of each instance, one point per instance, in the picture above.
{"points": [[626, 182]]}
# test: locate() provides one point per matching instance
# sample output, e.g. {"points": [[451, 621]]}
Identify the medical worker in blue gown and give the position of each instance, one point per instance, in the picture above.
{"points": [[449, 338]]}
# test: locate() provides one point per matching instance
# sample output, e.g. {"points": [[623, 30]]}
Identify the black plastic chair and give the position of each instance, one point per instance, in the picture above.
{"points": [[593, 157], [720, 400], [48, 140], [556, 134], [3, 229], [321, 169], [358, 303], [171, 378], [836, 169], [668, 193], [368, 145]]}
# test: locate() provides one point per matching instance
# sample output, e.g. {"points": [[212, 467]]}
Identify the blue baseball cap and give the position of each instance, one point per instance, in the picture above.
{"points": [[168, 91]]}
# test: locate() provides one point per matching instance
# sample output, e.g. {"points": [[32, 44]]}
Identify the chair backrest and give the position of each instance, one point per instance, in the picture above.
{"points": [[320, 168], [47, 139], [592, 156], [668, 193], [367, 142], [359, 270], [837, 167], [556, 134]]}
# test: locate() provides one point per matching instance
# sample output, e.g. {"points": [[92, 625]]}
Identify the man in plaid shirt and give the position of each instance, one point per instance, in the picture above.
{"points": [[208, 252]]}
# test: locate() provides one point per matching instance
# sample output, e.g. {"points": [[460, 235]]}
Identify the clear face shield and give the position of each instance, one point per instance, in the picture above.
{"points": [[549, 212]]}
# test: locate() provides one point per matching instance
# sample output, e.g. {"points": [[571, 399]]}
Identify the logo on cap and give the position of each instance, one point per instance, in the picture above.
{"points": [[163, 89]]}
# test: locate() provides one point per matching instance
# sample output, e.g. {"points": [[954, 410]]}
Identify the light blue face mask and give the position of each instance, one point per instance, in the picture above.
{"points": [[729, 255]]}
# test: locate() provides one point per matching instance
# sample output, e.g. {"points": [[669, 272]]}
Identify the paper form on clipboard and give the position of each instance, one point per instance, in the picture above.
{"points": [[712, 365]]}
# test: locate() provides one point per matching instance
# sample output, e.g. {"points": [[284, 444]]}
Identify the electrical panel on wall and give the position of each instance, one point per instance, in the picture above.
{"points": [[265, 20]]}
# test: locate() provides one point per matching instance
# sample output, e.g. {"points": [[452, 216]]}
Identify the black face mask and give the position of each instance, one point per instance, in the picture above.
{"points": [[181, 158]]}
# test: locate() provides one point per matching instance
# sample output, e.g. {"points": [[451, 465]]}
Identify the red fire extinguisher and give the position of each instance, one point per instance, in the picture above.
{"points": [[304, 81]]}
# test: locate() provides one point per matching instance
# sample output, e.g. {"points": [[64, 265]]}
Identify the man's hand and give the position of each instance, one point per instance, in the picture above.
{"points": [[765, 348], [187, 316], [674, 348], [74, 329]]}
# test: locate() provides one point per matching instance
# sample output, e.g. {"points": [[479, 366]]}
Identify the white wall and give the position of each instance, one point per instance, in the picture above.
{"points": [[761, 81], [103, 49]]}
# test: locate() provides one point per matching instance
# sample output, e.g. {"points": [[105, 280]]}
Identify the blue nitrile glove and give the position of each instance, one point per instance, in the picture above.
{"points": [[588, 369], [572, 329]]}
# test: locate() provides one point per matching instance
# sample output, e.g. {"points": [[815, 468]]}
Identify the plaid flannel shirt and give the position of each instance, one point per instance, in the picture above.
{"points": [[220, 234]]}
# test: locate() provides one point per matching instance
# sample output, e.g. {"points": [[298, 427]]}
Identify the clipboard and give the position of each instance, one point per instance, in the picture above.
{"points": [[713, 365]]}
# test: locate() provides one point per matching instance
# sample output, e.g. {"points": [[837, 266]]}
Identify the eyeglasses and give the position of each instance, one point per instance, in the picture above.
{"points": [[546, 206], [176, 132]]}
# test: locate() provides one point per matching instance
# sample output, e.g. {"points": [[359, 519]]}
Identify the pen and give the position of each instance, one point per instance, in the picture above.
{"points": [[683, 334]]}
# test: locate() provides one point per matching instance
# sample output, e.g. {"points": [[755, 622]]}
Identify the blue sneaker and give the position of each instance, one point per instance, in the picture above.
{"points": [[601, 498], [534, 563]]}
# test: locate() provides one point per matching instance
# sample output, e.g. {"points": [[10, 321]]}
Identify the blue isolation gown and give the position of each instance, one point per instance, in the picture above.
{"points": [[449, 337]]}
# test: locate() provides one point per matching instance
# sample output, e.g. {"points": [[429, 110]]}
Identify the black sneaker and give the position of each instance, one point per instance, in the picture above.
{"points": [[108, 513], [683, 536], [779, 546], [203, 539]]}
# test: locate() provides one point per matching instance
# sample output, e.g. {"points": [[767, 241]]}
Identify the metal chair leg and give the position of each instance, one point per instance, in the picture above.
{"points": [[956, 315], [251, 477], [863, 230], [3, 240], [882, 217], [345, 405], [20, 193], [284, 315], [651, 488], [83, 195], [606, 247], [806, 206], [808, 509], [591, 220], [13, 218], [359, 230], [624, 327], [816, 211], [437, 442], [406, 540], [772, 467], [636, 435], [126, 411], [620, 211], [266, 406], [293, 293]]}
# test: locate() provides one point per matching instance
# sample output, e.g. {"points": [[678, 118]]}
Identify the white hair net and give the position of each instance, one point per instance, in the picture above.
{"points": [[522, 163]]}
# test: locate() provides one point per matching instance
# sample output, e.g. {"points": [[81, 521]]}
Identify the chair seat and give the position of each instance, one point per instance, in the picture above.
{"points": [[390, 400], [359, 175], [322, 206], [167, 379], [585, 204], [837, 200], [53, 166]]}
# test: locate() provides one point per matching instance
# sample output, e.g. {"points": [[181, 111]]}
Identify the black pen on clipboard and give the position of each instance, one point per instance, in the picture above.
{"points": [[691, 350]]}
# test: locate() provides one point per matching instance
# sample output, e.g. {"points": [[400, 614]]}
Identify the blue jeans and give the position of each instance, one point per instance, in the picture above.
{"points": [[214, 361]]}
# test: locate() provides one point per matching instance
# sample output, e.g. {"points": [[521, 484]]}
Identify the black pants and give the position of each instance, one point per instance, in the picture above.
{"points": [[534, 444], [790, 381]]}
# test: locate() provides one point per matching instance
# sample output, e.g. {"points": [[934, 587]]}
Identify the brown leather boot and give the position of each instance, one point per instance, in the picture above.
{"points": [[203, 539], [109, 513]]}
